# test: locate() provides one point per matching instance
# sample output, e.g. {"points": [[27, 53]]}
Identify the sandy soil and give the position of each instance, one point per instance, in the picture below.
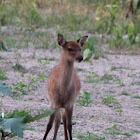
{"points": [[128, 71]]}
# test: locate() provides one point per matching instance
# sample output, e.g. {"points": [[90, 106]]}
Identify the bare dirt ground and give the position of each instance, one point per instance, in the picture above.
{"points": [[97, 116]]}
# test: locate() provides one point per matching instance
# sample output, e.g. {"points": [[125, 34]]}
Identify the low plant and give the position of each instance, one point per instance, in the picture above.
{"points": [[119, 111], [124, 92], [41, 76], [109, 100], [110, 20], [2, 75], [107, 78], [117, 41], [5, 89], [85, 99], [16, 120], [112, 130], [90, 136], [20, 88], [19, 67], [132, 33], [136, 97]]}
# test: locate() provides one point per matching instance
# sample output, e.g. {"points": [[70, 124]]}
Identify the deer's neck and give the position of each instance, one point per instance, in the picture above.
{"points": [[66, 68]]}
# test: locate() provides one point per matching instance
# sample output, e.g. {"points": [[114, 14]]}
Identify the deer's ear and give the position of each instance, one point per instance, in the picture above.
{"points": [[82, 40], [61, 40]]}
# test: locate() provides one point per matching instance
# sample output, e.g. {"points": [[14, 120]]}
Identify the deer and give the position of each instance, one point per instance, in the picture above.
{"points": [[63, 86]]}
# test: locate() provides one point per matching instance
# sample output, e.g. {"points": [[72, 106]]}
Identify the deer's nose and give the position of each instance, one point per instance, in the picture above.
{"points": [[80, 58]]}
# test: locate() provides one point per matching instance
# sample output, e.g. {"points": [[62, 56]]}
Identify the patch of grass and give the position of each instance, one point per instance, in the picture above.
{"points": [[119, 111], [136, 97], [110, 91], [114, 68], [1, 57], [2, 75], [137, 123], [134, 131], [30, 128], [138, 106], [81, 69], [124, 93], [135, 83], [47, 59], [109, 100], [107, 78], [42, 61], [114, 131], [20, 88], [85, 99], [42, 76], [19, 67], [90, 136]]}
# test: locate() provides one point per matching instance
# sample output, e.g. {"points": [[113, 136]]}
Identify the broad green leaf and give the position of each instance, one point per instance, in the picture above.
{"points": [[90, 43], [4, 88], [78, 36], [14, 124], [87, 54], [29, 118], [131, 28]]}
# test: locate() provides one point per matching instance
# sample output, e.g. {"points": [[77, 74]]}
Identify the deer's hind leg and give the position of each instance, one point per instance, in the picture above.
{"points": [[69, 112], [65, 124], [50, 123], [57, 123]]}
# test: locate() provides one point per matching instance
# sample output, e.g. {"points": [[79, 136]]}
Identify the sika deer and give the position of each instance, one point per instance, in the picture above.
{"points": [[63, 86]]}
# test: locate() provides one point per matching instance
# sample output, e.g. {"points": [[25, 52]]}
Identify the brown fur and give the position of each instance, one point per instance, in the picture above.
{"points": [[63, 86]]}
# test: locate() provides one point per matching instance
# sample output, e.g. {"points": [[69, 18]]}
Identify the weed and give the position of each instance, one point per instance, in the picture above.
{"points": [[1, 57], [119, 111], [84, 100], [111, 101], [34, 82], [92, 116], [15, 121], [2, 75], [113, 68], [136, 97], [43, 62], [107, 78], [20, 88], [19, 67], [133, 131], [81, 69], [90, 136], [110, 21], [132, 33], [117, 41], [135, 83], [112, 130], [47, 59], [138, 106], [124, 93], [137, 123], [42, 76]]}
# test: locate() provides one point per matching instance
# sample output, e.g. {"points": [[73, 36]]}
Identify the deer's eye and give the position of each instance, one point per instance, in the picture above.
{"points": [[70, 49]]}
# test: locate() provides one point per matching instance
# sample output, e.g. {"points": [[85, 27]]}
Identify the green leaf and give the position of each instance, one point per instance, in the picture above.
{"points": [[78, 36], [29, 118], [15, 124], [87, 54], [4, 88]]}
